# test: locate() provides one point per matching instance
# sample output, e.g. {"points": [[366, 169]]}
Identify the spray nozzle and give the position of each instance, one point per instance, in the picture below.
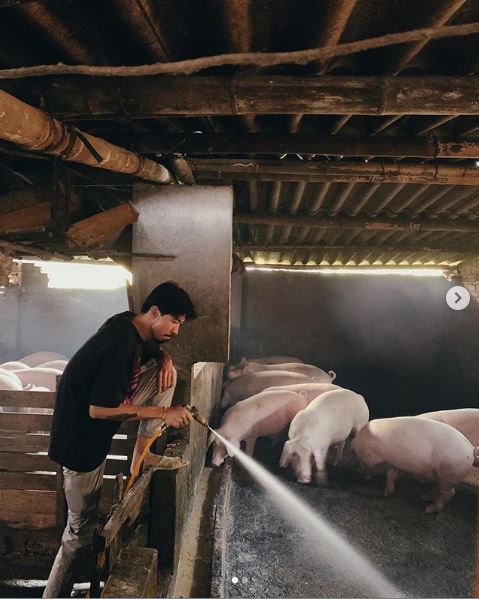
{"points": [[193, 410]]}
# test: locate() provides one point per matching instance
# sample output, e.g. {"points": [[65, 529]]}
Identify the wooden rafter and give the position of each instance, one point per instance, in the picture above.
{"points": [[150, 97], [376, 224], [301, 143], [347, 172]]}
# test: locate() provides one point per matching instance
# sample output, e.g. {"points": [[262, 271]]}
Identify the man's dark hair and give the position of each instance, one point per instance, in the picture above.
{"points": [[170, 298]]}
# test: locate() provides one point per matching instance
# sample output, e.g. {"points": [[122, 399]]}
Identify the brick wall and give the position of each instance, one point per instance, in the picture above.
{"points": [[469, 277]]}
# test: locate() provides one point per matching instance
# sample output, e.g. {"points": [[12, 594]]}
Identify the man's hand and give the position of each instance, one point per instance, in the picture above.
{"points": [[177, 416], [166, 373]]}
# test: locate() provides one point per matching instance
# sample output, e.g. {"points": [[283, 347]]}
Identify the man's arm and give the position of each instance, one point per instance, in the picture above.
{"points": [[176, 416], [166, 372]]}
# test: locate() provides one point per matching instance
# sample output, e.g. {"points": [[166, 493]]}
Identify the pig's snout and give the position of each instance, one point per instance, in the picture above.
{"points": [[476, 457], [304, 480], [218, 457]]}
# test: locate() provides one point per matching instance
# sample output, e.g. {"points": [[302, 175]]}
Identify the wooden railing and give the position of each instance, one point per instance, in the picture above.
{"points": [[31, 494]]}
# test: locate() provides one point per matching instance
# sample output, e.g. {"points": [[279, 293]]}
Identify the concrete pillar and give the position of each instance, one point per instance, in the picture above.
{"points": [[195, 225]]}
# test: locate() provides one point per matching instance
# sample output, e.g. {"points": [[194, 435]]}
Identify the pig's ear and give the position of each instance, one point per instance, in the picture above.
{"points": [[234, 373], [286, 456], [243, 363]]}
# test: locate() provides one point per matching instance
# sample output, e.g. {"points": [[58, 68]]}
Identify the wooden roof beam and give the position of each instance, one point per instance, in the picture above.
{"points": [[366, 224], [149, 97], [339, 172], [300, 143], [312, 247]]}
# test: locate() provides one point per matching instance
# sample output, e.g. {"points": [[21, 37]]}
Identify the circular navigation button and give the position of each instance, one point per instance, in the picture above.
{"points": [[458, 297]]}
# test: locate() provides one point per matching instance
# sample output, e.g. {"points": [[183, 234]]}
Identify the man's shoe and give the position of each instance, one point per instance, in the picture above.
{"points": [[162, 462]]}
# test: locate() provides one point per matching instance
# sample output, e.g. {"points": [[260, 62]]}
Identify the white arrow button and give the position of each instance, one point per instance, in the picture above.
{"points": [[458, 298]]}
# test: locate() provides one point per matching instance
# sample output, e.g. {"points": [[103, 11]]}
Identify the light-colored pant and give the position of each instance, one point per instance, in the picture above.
{"points": [[82, 491]]}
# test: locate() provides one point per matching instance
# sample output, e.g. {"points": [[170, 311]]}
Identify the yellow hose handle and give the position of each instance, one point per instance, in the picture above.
{"points": [[139, 462]]}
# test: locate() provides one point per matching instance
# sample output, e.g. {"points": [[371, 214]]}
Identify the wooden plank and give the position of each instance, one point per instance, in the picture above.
{"points": [[98, 230], [24, 462], [299, 143], [310, 247], [27, 509], [33, 482], [31, 443], [149, 97], [23, 443], [27, 399], [431, 173], [25, 422], [129, 508], [376, 224]]}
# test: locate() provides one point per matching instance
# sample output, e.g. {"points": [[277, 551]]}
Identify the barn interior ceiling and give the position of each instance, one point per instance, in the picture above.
{"points": [[349, 129]]}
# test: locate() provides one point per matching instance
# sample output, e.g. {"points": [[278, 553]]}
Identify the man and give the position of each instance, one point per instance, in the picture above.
{"points": [[98, 389]]}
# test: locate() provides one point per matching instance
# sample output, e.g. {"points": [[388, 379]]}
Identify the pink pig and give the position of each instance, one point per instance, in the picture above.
{"points": [[465, 420], [328, 420], [250, 384], [428, 450], [315, 373], [262, 415]]}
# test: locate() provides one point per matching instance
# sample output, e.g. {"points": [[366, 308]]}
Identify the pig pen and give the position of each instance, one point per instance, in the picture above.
{"points": [[258, 553], [395, 341], [147, 532]]}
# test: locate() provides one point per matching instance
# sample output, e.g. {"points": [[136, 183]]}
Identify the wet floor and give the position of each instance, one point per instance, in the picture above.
{"points": [[423, 555]]}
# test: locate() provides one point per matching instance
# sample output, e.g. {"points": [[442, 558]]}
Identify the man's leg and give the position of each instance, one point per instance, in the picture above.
{"points": [[82, 491], [147, 429]]}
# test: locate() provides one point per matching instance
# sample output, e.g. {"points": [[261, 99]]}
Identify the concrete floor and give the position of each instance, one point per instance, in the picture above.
{"points": [[424, 555]]}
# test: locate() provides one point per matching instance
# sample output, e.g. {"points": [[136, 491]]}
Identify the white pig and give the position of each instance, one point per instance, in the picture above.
{"points": [[40, 357], [309, 390], [315, 373], [58, 364], [9, 381], [465, 420], [262, 415], [429, 450], [13, 366], [271, 360], [328, 420], [250, 384], [42, 377]]}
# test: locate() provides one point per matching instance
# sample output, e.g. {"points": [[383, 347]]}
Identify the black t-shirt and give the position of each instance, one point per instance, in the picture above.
{"points": [[98, 374]]}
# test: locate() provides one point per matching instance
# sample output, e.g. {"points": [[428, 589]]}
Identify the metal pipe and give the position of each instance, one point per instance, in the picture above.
{"points": [[35, 130]]}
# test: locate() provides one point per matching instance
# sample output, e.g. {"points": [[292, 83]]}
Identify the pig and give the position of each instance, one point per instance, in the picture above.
{"points": [[40, 357], [315, 373], [13, 366], [262, 415], [309, 390], [272, 360], [250, 384], [58, 364], [328, 420], [429, 450], [9, 381], [42, 377], [465, 420]]}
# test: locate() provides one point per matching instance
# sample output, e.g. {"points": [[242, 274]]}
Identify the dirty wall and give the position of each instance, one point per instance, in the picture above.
{"points": [[393, 339], [34, 317]]}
